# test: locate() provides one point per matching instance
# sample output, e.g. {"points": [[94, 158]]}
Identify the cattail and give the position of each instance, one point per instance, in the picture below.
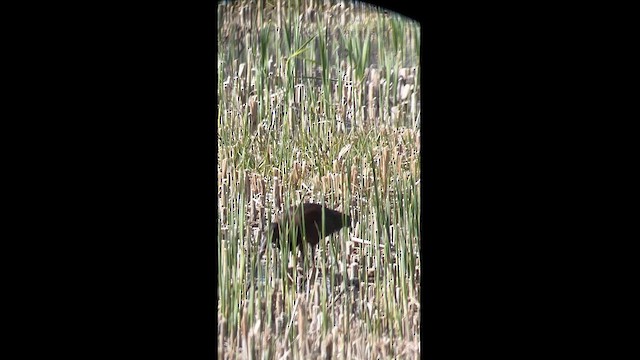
{"points": [[370, 274], [303, 169], [412, 168], [400, 144], [253, 214], [338, 183], [257, 184], [315, 182], [327, 347], [365, 177], [224, 168], [277, 193], [261, 217], [302, 325], [223, 200], [325, 184], [353, 270], [243, 327], [294, 174], [261, 184], [222, 327], [274, 306], [280, 323], [354, 178], [384, 160], [247, 186], [253, 112], [383, 131]]}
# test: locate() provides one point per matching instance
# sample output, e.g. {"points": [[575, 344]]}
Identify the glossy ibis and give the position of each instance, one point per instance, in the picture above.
{"points": [[308, 215]]}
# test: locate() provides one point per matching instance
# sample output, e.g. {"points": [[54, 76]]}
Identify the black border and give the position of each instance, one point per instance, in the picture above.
{"points": [[129, 95]]}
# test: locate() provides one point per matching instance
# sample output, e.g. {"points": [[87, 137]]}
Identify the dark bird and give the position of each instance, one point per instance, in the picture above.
{"points": [[310, 215]]}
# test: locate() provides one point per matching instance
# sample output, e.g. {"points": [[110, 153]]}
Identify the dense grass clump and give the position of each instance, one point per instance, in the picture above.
{"points": [[319, 101]]}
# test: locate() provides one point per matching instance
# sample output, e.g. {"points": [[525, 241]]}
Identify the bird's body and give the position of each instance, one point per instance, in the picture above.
{"points": [[305, 221]]}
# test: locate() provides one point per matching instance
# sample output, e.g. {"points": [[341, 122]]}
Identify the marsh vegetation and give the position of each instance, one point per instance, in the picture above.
{"points": [[318, 101]]}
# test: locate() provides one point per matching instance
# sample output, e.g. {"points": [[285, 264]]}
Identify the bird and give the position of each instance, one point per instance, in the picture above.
{"points": [[308, 215]]}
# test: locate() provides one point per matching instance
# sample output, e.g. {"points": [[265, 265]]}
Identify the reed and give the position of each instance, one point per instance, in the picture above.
{"points": [[318, 102]]}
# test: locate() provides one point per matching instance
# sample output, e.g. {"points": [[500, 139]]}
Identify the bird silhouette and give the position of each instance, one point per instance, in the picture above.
{"points": [[305, 221]]}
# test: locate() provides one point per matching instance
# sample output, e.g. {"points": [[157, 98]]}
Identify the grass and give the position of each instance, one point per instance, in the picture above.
{"points": [[312, 107]]}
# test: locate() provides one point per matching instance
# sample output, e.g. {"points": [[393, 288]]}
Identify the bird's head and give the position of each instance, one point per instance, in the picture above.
{"points": [[347, 221]]}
